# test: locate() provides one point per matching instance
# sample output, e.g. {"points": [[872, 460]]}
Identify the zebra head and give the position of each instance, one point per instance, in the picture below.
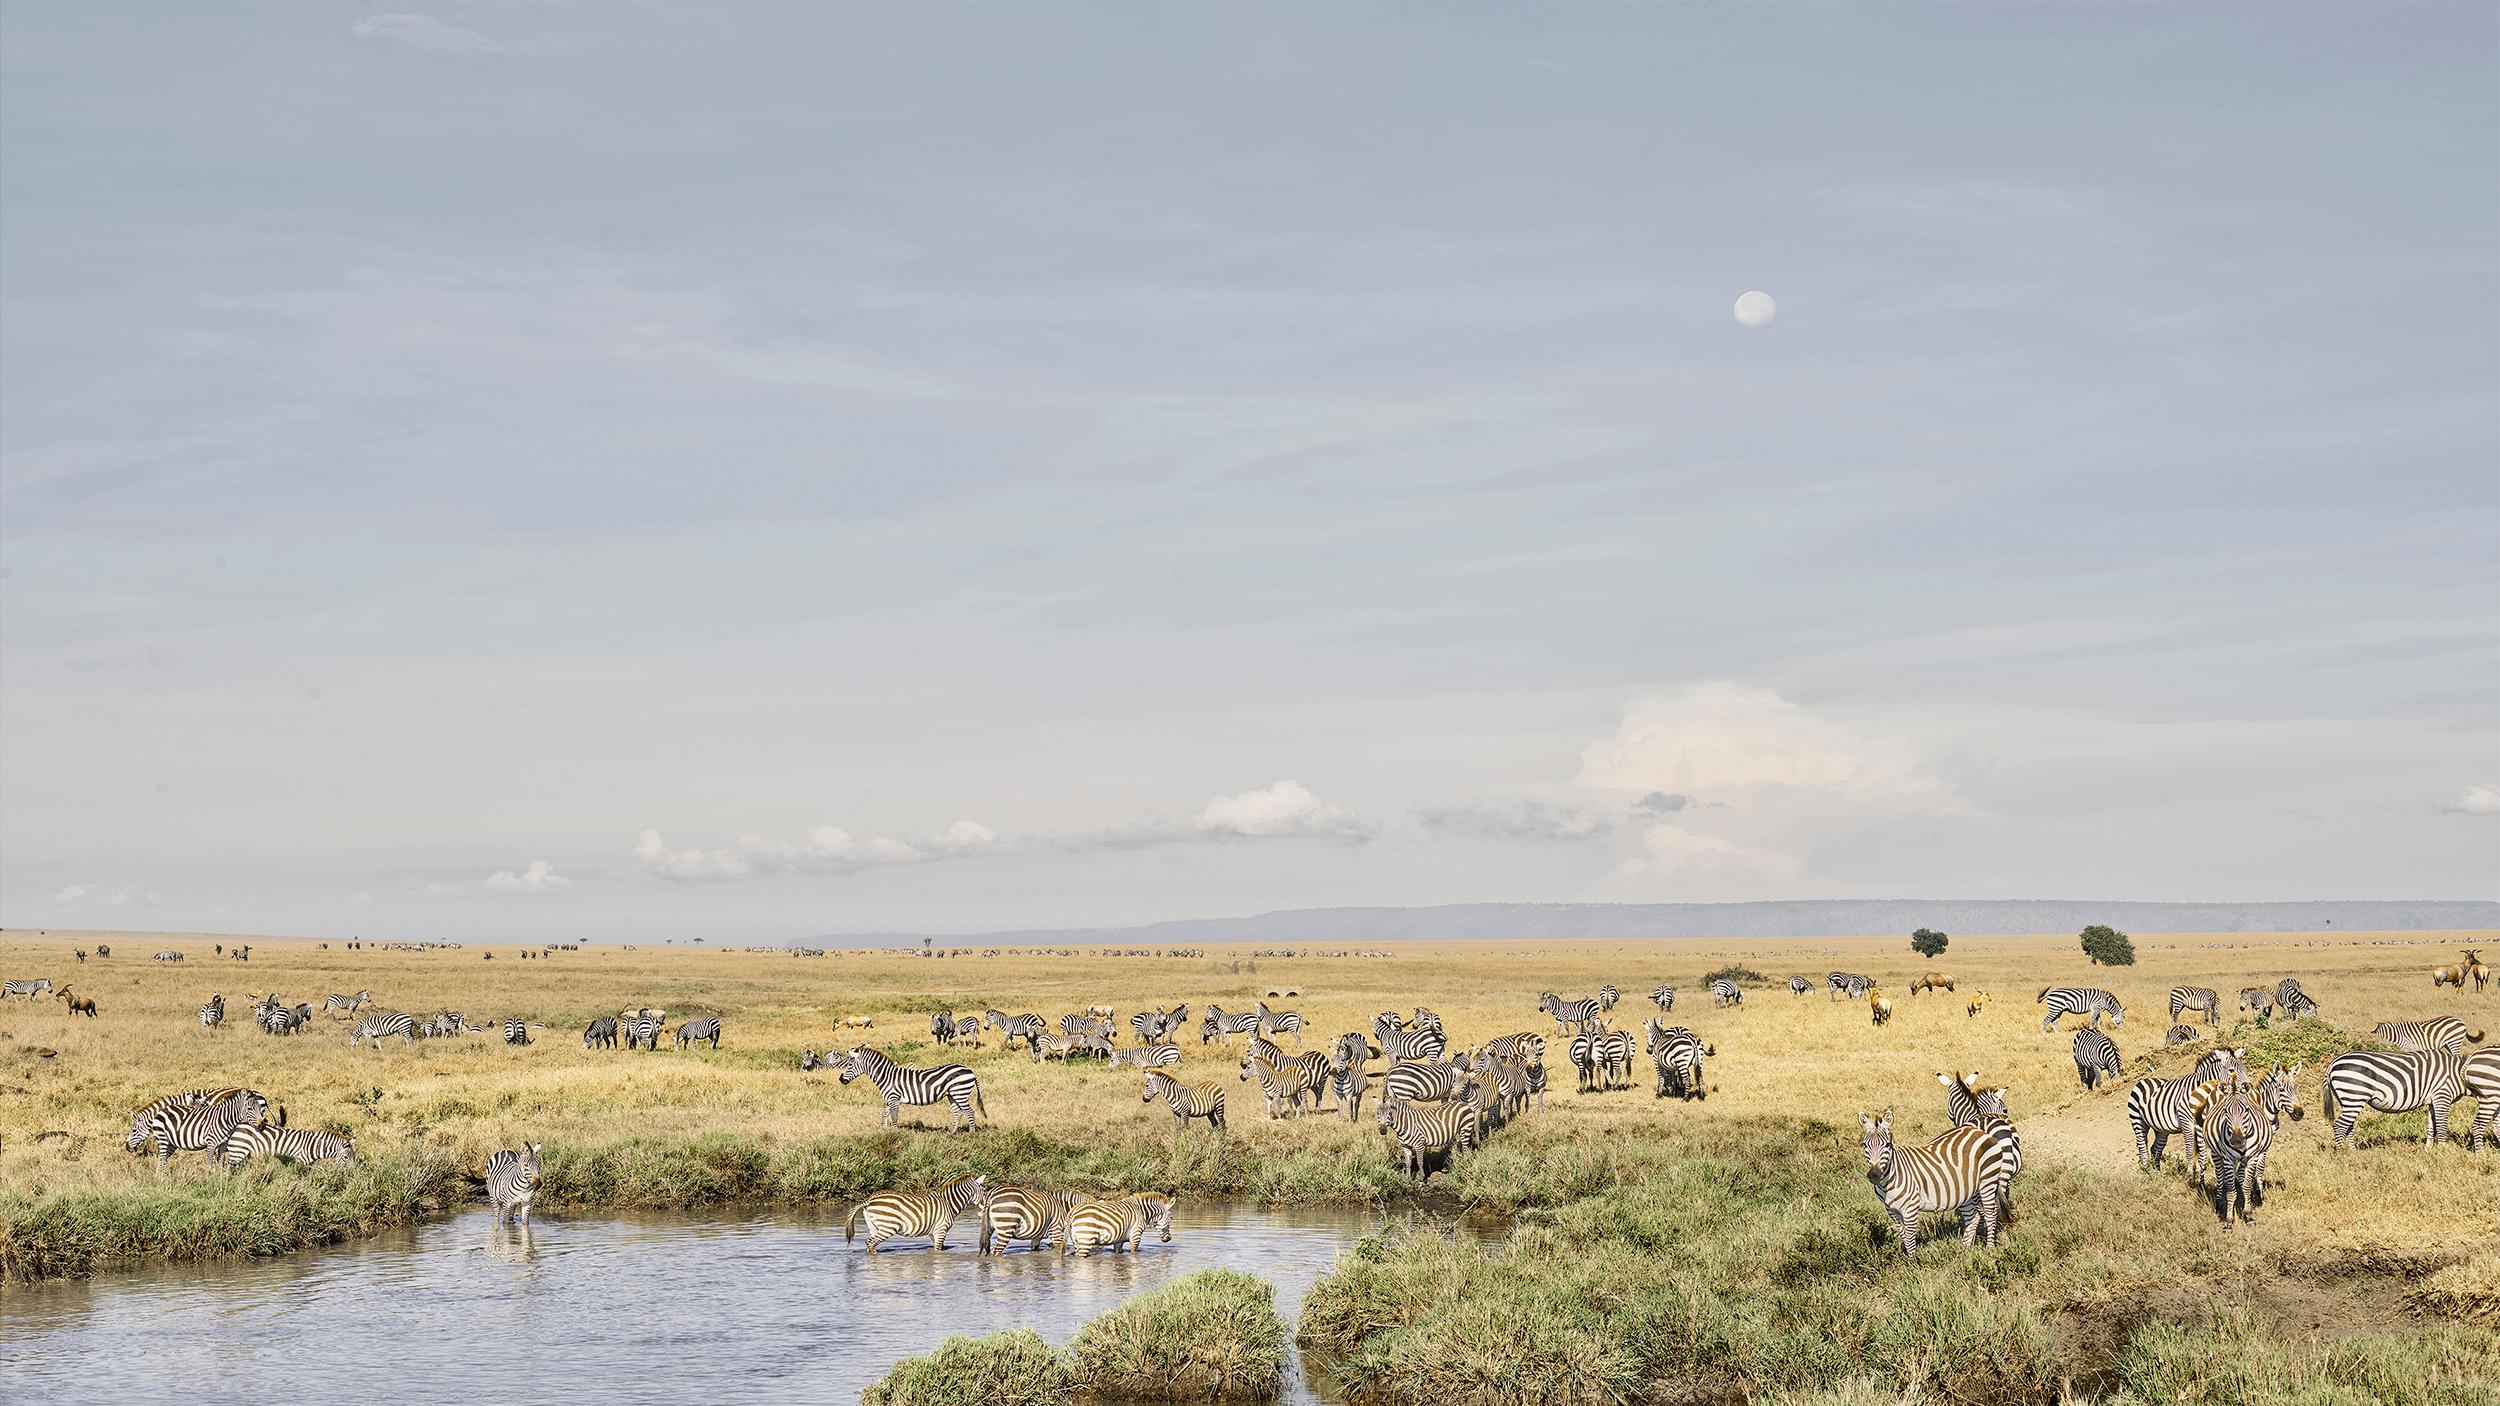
{"points": [[1158, 1209], [2279, 1092], [854, 1064], [1876, 1141]]}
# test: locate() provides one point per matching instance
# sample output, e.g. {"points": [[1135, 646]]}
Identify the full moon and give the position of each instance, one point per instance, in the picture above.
{"points": [[1756, 309]]}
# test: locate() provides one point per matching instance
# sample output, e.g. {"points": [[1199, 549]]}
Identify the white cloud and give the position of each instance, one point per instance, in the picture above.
{"points": [[436, 37], [539, 877], [71, 894], [1728, 739], [122, 896], [1673, 851], [822, 849], [1516, 818], [2477, 800], [656, 857], [1284, 810]]}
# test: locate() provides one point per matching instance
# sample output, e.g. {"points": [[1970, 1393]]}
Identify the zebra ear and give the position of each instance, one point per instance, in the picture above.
{"points": [[1866, 1122]]}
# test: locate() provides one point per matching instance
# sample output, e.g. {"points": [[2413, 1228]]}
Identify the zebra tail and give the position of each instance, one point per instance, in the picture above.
{"points": [[852, 1220]]}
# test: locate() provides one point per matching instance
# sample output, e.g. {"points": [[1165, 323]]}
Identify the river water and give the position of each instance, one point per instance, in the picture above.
{"points": [[719, 1307]]}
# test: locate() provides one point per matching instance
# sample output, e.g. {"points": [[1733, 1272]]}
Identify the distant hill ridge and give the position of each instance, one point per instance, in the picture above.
{"points": [[1835, 917]]}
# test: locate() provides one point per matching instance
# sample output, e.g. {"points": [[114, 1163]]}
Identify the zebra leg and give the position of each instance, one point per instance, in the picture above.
{"points": [[2438, 1136], [1906, 1227], [2161, 1140]]}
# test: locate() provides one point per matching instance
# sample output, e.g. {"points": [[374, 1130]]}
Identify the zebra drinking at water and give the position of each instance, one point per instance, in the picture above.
{"points": [[1187, 1101], [294, 1144], [2089, 1002], [2393, 1083], [378, 1028], [213, 1013], [1421, 1129], [512, 1182], [1116, 1224], [40, 986], [696, 1031], [1967, 1169], [201, 1127], [2196, 998], [2444, 1032], [951, 1084], [2157, 1107]]}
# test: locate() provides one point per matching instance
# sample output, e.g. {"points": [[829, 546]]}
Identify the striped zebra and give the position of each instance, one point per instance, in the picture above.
{"points": [[891, 1215], [1349, 1074], [1421, 1129], [2393, 1083], [1284, 1081], [2481, 1071], [1427, 1020], [2196, 998], [1164, 1055], [2239, 1134], [1726, 993], [1966, 1169], [2178, 1035], [201, 1127], [1607, 995], [2090, 1002], [1223, 1026], [1012, 1028], [2294, 1001], [294, 1144], [2276, 1095], [1280, 1023], [1966, 1103], [2443, 1032], [40, 986], [947, 1028], [512, 1182], [1604, 1059], [641, 1033], [600, 1034], [168, 955], [2158, 1107], [1848, 984], [1013, 1213], [1148, 1025], [1187, 1101], [1506, 1082], [1420, 1081], [516, 1031], [280, 1020], [950, 1084], [1119, 1223], [1420, 1044], [378, 1028], [1569, 1015], [1519, 1047], [1663, 998], [2257, 1001], [1677, 1052], [213, 1013], [706, 1028], [346, 1006], [138, 1140], [1799, 986]]}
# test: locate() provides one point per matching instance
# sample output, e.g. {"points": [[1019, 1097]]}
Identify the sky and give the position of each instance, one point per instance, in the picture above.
{"points": [[630, 472]]}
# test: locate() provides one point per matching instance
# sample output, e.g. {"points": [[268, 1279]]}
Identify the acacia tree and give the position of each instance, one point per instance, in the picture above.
{"points": [[2107, 946], [1928, 942]]}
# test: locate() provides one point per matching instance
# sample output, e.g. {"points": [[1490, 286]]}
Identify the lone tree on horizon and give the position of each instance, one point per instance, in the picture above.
{"points": [[1928, 942], [2107, 946]]}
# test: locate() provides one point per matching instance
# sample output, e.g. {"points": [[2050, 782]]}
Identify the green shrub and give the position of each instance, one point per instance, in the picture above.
{"points": [[1014, 1368], [2241, 1359], [1209, 1336], [1737, 972], [2107, 946]]}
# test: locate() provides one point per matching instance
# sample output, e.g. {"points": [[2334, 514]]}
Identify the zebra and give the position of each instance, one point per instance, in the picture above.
{"points": [[891, 1215], [2294, 1001], [2158, 1107], [1187, 1101], [2179, 1035], [138, 1140], [168, 955], [1013, 1027], [641, 1033], [1847, 984], [1348, 1072], [1113, 1224], [2481, 1071], [1284, 1081], [1663, 998], [1416, 1081], [2257, 1000], [1726, 993], [1678, 1054], [1585, 1058], [251, 1140], [1610, 1051], [279, 1020], [242, 954], [1221, 1025], [600, 1034], [346, 1006], [201, 1127], [40, 986], [1162, 1055], [693, 1031], [1966, 1103], [1427, 1020], [952, 1084], [1280, 1023], [2444, 1032], [1607, 995], [213, 1013], [2196, 998], [1967, 1168], [2393, 1083], [1423, 1129], [2239, 1134], [1506, 1082], [378, 1028], [1020, 1213], [1569, 1014], [1799, 986], [2089, 1002], [512, 1182], [1414, 1044], [516, 1031], [1148, 1025]]}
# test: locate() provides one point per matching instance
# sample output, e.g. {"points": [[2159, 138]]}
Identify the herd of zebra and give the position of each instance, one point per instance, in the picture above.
{"points": [[1078, 1223], [274, 1016]]}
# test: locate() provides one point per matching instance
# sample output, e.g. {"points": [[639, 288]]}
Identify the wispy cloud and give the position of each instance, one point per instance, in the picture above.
{"points": [[433, 36], [1516, 818], [539, 877], [2476, 800], [109, 896]]}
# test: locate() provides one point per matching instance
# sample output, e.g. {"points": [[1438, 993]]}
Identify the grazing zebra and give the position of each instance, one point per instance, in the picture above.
{"points": [[2393, 1083], [1187, 1101], [2482, 1079], [1148, 1025], [1726, 993], [378, 1028], [139, 1121], [294, 1144], [168, 955], [201, 1127], [1116, 1224], [512, 1182], [2089, 1002], [1420, 1044], [1607, 995], [1220, 1026], [600, 1034], [1014, 1213], [345, 1006], [1163, 1055], [1848, 984], [241, 954], [2257, 1000], [1879, 1007], [1678, 1053], [2196, 998], [1797, 986], [1663, 998], [1423, 1129], [2294, 1001], [641, 1033], [1967, 1169], [2158, 1107], [2239, 1134], [891, 1215], [2444, 1032], [951, 1084], [1418, 1081], [1012, 1028], [213, 1014], [516, 1031], [1280, 1023], [1521, 1047], [1569, 1014], [40, 986], [695, 1031]]}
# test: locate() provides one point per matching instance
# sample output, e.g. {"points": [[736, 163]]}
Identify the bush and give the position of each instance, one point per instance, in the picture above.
{"points": [[1209, 1336], [2239, 1359], [1928, 942], [2107, 946], [1014, 1368], [1737, 972]]}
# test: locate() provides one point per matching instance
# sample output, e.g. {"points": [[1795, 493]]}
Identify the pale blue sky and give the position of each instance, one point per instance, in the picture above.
{"points": [[787, 469]]}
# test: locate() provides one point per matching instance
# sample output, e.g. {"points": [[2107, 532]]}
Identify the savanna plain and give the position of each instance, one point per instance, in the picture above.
{"points": [[1649, 1249]]}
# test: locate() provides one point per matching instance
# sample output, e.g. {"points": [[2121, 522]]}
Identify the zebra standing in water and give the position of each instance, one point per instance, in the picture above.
{"points": [[201, 1127], [2158, 1107], [1969, 1169], [2096, 1057], [378, 1028], [1726, 993], [2196, 998], [1663, 998], [694, 1031], [951, 1084], [2444, 1032], [294, 1144], [1187, 1101], [1116, 1224], [1421, 1129], [1013, 1213], [1799, 986], [2089, 1002], [2294, 1001], [2393, 1083], [2482, 1079], [214, 1013], [512, 1182], [894, 1214]]}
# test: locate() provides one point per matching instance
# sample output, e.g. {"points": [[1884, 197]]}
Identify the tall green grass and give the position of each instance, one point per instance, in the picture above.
{"points": [[1209, 1336]]}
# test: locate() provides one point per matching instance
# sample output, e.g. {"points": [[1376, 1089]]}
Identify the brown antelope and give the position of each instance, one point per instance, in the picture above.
{"points": [[858, 1022], [1933, 981], [1879, 1006], [2457, 975], [1977, 1004], [78, 1005]]}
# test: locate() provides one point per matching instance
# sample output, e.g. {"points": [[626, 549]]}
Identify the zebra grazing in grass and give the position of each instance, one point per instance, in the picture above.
{"points": [[1280, 1023], [1012, 1028], [1663, 998], [2089, 1002], [168, 955], [282, 1020], [942, 1027], [1677, 1053], [516, 1031], [294, 1144], [641, 1033], [691, 1032], [201, 1127], [2481, 1071], [378, 1028], [1013, 1213], [1165, 1055], [1569, 1015], [1848, 984], [2158, 1107], [2257, 1001], [1187, 1101], [1419, 1081], [512, 1182], [950, 1084], [2393, 1083], [1421, 1129], [345, 1006], [213, 1014], [138, 1140], [2196, 998], [2444, 1032], [1607, 995], [1966, 1169], [1119, 1223], [1726, 993], [600, 1034], [40, 986], [1223, 1026], [2294, 1001], [2239, 1134], [892, 1215], [2179, 1035], [1799, 986]]}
